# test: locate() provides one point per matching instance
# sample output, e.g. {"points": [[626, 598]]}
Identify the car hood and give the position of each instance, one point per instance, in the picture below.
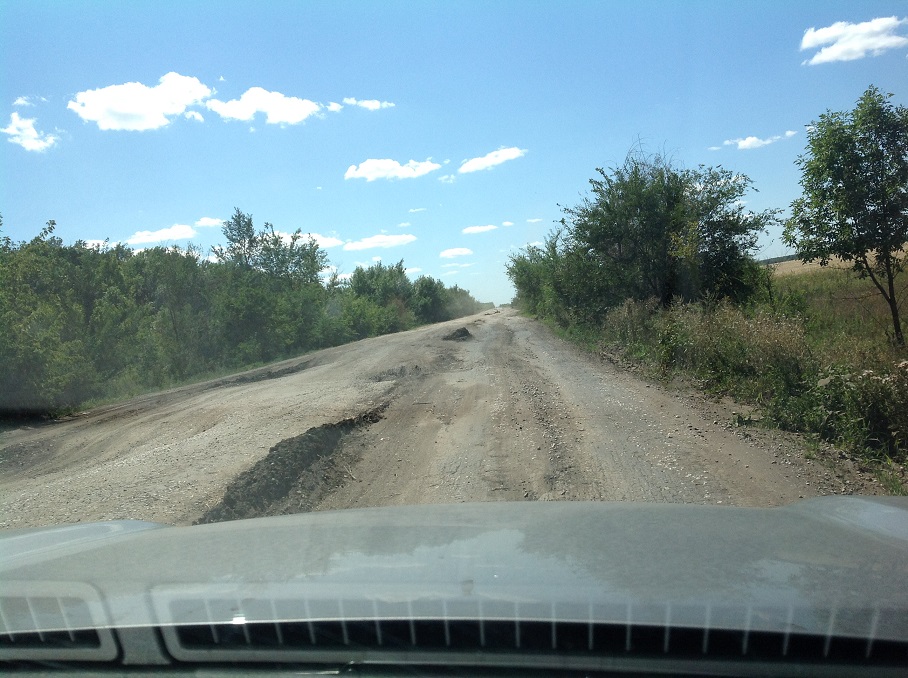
{"points": [[823, 565]]}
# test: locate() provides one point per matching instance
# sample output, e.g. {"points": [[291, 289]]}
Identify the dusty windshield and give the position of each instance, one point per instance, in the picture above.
{"points": [[263, 259]]}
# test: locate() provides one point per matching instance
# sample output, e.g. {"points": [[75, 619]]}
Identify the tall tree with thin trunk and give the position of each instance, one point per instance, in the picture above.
{"points": [[855, 202]]}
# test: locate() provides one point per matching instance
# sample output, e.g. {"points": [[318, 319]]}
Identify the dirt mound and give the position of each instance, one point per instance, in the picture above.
{"points": [[460, 334], [293, 477]]}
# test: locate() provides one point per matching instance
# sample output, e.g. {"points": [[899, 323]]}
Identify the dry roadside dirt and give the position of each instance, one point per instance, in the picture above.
{"points": [[511, 412]]}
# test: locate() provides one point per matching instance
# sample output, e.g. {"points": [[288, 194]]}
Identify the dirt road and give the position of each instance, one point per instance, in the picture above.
{"points": [[509, 413]]}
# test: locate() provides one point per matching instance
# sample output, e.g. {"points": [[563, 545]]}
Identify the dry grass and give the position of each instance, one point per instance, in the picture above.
{"points": [[796, 266]]}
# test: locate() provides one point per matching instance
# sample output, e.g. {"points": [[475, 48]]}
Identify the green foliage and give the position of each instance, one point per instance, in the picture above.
{"points": [[647, 230], [81, 323], [855, 202], [801, 369]]}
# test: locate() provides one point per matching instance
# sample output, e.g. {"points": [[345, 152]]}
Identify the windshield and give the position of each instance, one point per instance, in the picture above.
{"points": [[273, 259]]}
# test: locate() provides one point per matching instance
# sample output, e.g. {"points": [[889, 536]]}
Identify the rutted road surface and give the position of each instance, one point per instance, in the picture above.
{"points": [[510, 413]]}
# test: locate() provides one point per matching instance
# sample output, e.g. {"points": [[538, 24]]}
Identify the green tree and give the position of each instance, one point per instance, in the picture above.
{"points": [[243, 243], [855, 202], [428, 300], [647, 230], [290, 256]]}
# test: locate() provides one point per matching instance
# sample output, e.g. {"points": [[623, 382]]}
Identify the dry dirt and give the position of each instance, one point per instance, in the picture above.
{"points": [[508, 411]]}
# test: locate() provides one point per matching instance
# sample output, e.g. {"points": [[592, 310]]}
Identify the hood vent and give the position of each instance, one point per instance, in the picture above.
{"points": [[38, 625], [532, 643]]}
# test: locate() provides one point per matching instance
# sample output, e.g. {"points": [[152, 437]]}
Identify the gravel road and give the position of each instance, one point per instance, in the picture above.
{"points": [[509, 413]]}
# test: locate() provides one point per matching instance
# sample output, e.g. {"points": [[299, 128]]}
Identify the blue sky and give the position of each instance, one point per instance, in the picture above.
{"points": [[445, 134]]}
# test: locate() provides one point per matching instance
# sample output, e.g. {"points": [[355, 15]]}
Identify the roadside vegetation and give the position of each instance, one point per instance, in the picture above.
{"points": [[657, 266], [81, 324]]}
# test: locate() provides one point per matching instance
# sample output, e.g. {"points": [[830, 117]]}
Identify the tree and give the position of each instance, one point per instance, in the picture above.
{"points": [[243, 242], [647, 230], [855, 202]]}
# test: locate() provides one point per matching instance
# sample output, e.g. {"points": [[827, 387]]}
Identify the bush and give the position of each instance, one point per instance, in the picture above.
{"points": [[766, 358]]}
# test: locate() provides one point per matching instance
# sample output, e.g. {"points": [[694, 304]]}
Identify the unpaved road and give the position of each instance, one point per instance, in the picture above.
{"points": [[512, 413]]}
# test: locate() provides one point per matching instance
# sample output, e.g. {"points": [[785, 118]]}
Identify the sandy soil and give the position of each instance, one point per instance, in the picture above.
{"points": [[510, 413]]}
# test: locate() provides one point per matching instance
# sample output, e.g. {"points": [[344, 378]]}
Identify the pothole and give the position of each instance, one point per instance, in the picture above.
{"points": [[395, 373], [295, 474]]}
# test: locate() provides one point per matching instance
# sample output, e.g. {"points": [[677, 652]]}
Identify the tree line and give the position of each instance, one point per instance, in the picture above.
{"points": [[650, 230], [79, 323]]}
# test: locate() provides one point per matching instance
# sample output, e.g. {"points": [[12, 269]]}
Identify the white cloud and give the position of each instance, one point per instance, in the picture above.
{"points": [[193, 115], [205, 222], [404, 224], [368, 104], [324, 241], [507, 223], [533, 221], [22, 131], [412, 270], [134, 106], [175, 232], [279, 109], [479, 229], [385, 168], [382, 240], [22, 101], [751, 142], [414, 210], [455, 252], [334, 107], [714, 148], [456, 265], [447, 179], [492, 159], [846, 41]]}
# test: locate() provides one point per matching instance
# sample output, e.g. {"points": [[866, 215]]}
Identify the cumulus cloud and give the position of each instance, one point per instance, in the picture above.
{"points": [[324, 241], [134, 106], [490, 160], [447, 179], [334, 107], [193, 115], [385, 168], [279, 109], [844, 41], [205, 222], [21, 131], [368, 104], [455, 252], [383, 240], [479, 229], [747, 143], [22, 101], [175, 232], [507, 223]]}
